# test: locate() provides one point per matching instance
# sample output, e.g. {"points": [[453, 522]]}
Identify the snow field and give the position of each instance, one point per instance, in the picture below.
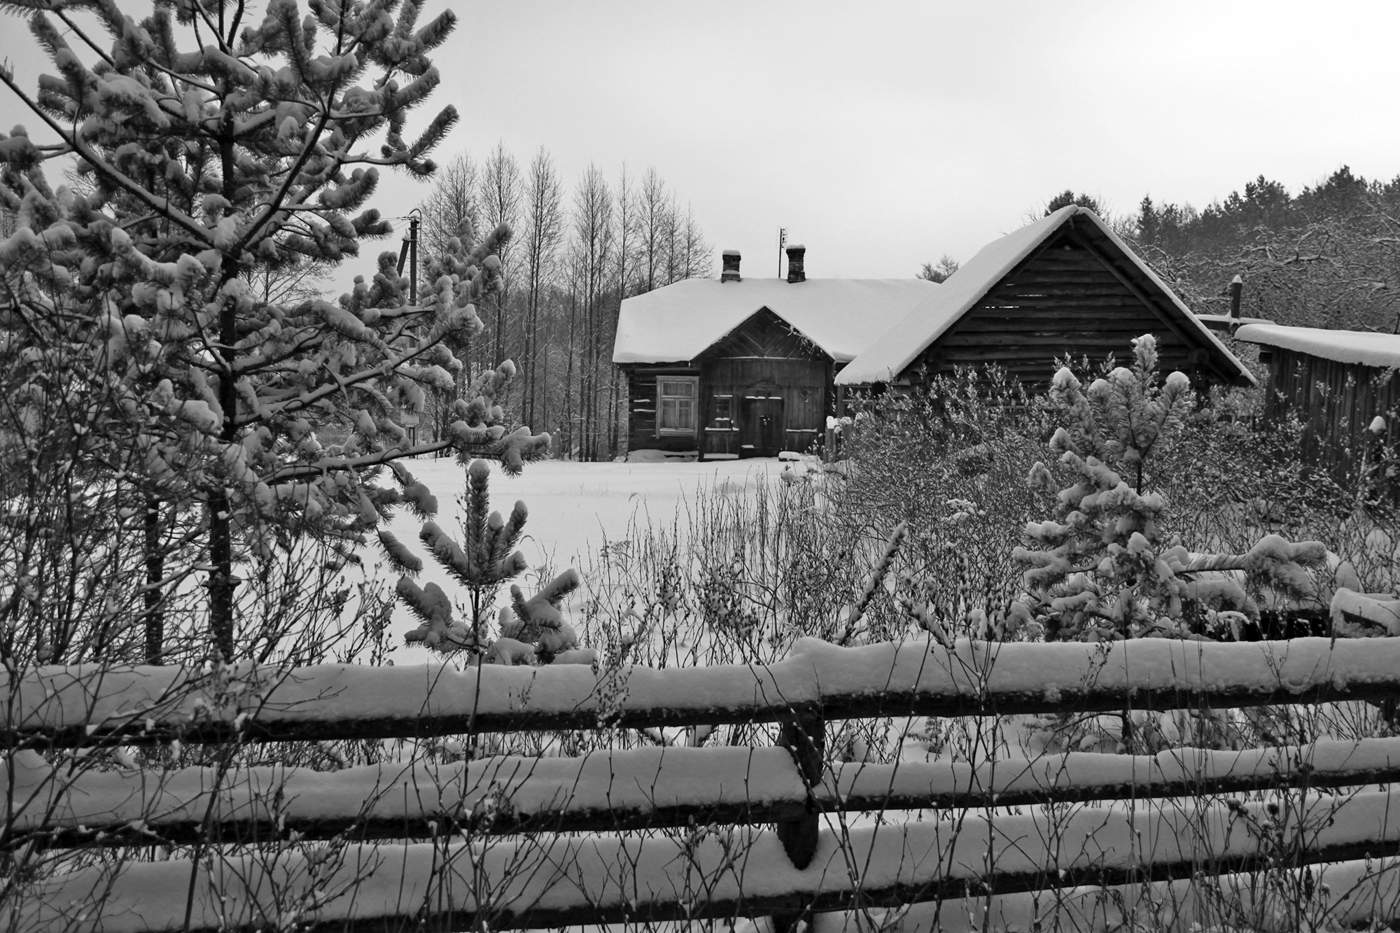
{"points": [[574, 509]]}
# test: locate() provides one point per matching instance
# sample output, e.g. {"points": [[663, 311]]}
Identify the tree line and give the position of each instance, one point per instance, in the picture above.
{"points": [[1325, 256], [575, 253]]}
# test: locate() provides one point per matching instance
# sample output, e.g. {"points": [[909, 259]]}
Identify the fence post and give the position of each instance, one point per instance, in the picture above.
{"points": [[803, 733]]}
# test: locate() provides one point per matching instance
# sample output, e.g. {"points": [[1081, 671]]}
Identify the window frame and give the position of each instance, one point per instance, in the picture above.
{"points": [[693, 397]]}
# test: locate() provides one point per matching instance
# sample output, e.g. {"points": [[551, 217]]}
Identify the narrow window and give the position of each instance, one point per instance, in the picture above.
{"points": [[675, 404]]}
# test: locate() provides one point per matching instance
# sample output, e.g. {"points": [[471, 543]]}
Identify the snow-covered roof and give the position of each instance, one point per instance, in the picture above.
{"points": [[841, 316], [895, 350], [1344, 346]]}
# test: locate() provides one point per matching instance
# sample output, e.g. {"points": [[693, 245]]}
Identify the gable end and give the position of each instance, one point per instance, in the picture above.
{"points": [[1074, 297], [765, 335]]}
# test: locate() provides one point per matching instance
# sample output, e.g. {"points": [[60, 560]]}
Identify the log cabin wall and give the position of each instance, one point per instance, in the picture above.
{"points": [[642, 404], [1068, 298], [1335, 402]]}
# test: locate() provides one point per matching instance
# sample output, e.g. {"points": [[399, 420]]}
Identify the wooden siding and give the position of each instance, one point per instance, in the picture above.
{"points": [[801, 386], [774, 384], [1335, 402], [641, 409], [766, 336], [1066, 299], [763, 388]]}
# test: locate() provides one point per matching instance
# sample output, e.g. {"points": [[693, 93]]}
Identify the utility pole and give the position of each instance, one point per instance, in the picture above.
{"points": [[782, 241], [413, 219], [409, 252]]}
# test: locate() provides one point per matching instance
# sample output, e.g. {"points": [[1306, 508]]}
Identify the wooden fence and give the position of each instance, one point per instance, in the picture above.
{"points": [[674, 833]]}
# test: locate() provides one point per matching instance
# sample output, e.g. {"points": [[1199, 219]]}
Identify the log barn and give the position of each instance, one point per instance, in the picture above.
{"points": [[1065, 285], [743, 366], [1336, 382]]}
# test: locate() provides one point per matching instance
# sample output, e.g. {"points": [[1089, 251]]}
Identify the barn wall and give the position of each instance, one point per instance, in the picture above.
{"points": [[1336, 403], [1064, 300]]}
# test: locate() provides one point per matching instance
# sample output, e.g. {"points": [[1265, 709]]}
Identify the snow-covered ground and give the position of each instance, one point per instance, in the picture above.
{"points": [[573, 509]]}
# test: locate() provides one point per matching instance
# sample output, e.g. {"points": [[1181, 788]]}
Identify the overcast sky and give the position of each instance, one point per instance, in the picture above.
{"points": [[884, 134]]}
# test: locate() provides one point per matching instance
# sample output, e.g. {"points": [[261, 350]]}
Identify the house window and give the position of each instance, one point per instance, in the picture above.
{"points": [[675, 404], [722, 412]]}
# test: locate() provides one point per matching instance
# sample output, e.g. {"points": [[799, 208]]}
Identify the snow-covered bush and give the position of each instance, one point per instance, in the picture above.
{"points": [[1102, 567], [530, 631], [948, 459]]}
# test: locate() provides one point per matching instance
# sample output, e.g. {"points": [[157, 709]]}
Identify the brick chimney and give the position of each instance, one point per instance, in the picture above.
{"points": [[730, 259], [795, 254]]}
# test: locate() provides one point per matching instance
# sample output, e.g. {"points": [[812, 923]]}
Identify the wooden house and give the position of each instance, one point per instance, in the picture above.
{"points": [[752, 366], [1065, 285], [743, 366], [1336, 382]]}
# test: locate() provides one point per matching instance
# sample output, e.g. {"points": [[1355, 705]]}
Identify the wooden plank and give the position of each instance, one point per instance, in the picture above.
{"points": [[1069, 302], [1085, 777], [765, 335], [1040, 338], [604, 791], [626, 790], [147, 705], [707, 873], [1106, 287]]}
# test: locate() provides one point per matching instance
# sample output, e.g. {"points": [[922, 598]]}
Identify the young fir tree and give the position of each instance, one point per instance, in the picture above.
{"points": [[530, 631], [1100, 568], [215, 145]]}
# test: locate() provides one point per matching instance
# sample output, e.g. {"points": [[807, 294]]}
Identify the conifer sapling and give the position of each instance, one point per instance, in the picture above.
{"points": [[210, 149], [1100, 568], [531, 631]]}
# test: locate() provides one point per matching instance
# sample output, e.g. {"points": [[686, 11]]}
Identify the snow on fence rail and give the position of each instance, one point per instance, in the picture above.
{"points": [[82, 706], [520, 815], [552, 880], [645, 788]]}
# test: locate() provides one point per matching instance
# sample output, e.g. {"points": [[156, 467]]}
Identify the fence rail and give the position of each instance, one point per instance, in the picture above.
{"points": [[623, 791], [554, 840], [83, 707]]}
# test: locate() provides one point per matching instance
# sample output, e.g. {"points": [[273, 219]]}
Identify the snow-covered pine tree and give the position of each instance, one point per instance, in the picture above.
{"points": [[531, 630], [1100, 568], [253, 145]]}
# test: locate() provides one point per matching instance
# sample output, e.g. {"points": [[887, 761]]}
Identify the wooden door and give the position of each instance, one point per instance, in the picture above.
{"points": [[761, 434]]}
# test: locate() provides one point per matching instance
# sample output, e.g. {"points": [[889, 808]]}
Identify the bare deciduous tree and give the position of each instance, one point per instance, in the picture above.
{"points": [[500, 206], [653, 209], [543, 233], [453, 207], [592, 249]]}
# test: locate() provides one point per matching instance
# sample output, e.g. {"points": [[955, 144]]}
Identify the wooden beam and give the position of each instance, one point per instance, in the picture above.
{"points": [[619, 791], [717, 872]]}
